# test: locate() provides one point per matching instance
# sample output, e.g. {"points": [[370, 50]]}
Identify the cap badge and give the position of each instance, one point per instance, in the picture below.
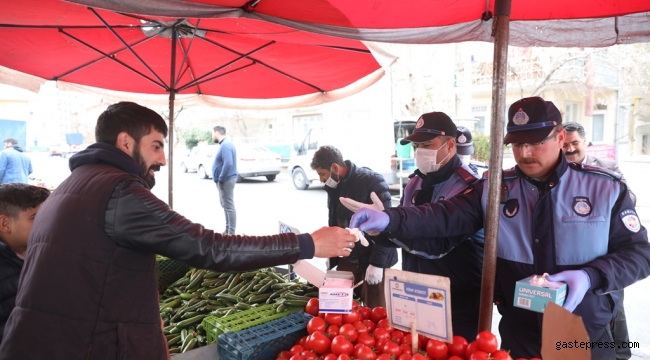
{"points": [[420, 123], [520, 117], [462, 139]]}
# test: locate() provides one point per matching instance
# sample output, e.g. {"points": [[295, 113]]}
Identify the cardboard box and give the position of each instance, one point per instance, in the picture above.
{"points": [[535, 297], [335, 288]]}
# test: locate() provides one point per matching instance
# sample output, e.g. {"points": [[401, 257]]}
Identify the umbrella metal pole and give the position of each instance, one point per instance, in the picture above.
{"points": [[172, 97], [501, 32]]}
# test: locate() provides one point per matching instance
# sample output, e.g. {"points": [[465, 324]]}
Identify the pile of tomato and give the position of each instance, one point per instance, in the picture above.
{"points": [[365, 334]]}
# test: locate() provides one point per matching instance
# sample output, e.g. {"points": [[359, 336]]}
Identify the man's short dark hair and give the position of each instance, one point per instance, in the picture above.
{"points": [[220, 129], [571, 127], [325, 156], [12, 141], [17, 197], [136, 120]]}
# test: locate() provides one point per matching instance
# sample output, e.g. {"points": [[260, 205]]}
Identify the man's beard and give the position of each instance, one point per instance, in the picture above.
{"points": [[149, 179]]}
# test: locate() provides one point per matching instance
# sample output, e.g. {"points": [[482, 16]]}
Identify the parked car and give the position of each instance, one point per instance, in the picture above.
{"points": [[251, 161]]}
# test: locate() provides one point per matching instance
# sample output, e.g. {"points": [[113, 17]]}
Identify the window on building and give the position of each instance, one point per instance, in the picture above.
{"points": [[598, 127], [570, 112]]}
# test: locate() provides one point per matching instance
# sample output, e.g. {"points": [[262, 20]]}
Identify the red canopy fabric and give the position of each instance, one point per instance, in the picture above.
{"points": [[54, 40], [532, 23]]}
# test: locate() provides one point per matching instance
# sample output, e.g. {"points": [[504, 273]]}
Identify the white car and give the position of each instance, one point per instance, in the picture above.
{"points": [[252, 161]]}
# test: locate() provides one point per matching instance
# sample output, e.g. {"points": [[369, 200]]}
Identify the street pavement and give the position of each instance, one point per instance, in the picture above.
{"points": [[261, 205]]}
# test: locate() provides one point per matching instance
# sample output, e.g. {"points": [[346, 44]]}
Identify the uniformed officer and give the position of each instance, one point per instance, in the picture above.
{"points": [[573, 221], [465, 150]]}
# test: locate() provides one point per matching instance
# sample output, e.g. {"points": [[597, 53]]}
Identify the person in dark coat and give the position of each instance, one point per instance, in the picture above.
{"points": [[345, 179], [89, 288], [19, 204]]}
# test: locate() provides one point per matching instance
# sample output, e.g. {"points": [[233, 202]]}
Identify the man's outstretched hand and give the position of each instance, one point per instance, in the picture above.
{"points": [[369, 220], [332, 242]]}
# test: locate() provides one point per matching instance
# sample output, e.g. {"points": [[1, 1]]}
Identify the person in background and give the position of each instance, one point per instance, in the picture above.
{"points": [[19, 204], [465, 150], [89, 288], [575, 222], [15, 166], [441, 174], [345, 179], [224, 174], [575, 150]]}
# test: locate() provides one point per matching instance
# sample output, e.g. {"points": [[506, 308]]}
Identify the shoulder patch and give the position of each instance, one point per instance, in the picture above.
{"points": [[467, 176], [596, 170], [630, 220], [507, 174]]}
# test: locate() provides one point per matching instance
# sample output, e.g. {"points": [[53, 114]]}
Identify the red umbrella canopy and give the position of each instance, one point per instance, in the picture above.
{"points": [[228, 57]]}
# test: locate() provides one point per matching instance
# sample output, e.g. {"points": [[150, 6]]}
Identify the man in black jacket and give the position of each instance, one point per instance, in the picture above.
{"points": [[89, 287], [345, 179], [19, 204]]}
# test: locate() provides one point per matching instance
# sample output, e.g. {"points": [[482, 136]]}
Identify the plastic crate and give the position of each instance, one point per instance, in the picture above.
{"points": [[169, 270], [215, 326], [264, 341]]}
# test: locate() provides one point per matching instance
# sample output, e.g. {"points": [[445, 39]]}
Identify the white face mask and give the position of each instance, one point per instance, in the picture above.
{"points": [[465, 159], [425, 159], [331, 182]]}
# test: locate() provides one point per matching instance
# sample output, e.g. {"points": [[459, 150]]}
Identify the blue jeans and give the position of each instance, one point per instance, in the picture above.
{"points": [[226, 198]]}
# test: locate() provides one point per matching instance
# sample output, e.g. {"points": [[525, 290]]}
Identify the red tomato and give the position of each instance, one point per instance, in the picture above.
{"points": [[500, 355], [471, 348], [349, 332], [316, 324], [352, 317], [383, 323], [486, 341], [343, 357], [332, 331], [381, 333], [303, 342], [296, 350], [379, 345], [318, 342], [312, 307], [371, 325], [296, 357], [436, 349], [330, 356], [355, 305], [408, 338], [423, 340], [384, 357], [406, 349], [365, 312], [391, 348], [405, 357], [377, 314], [283, 355], [334, 319], [308, 355], [479, 355], [454, 357], [397, 336], [364, 353], [341, 345], [365, 339], [458, 347], [360, 327], [419, 356]]}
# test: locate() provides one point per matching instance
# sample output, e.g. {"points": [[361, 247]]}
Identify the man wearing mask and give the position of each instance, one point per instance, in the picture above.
{"points": [[575, 222], [575, 149], [345, 179], [440, 175]]}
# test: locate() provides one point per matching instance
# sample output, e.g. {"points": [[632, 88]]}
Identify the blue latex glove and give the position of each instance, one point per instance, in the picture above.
{"points": [[374, 275], [578, 283], [369, 220]]}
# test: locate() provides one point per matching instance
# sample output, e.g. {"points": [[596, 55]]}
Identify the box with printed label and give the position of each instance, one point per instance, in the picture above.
{"points": [[535, 292], [335, 288]]}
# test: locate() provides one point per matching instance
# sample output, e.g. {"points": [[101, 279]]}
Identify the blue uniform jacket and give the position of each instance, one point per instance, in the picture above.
{"points": [[583, 220], [224, 166]]}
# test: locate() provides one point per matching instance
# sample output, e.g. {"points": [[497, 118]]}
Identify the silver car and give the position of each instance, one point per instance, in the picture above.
{"points": [[252, 161]]}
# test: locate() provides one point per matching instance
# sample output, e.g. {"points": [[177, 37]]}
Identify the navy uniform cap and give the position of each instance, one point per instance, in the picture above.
{"points": [[464, 144], [429, 126], [530, 120]]}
